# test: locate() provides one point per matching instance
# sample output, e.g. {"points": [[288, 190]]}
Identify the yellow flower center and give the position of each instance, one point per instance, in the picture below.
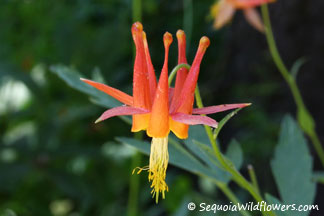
{"points": [[159, 159]]}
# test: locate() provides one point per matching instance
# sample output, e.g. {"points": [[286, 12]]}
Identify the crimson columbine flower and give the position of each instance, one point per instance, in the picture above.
{"points": [[156, 107], [223, 11]]}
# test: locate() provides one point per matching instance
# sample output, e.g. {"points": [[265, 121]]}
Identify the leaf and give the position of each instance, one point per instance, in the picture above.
{"points": [[274, 201], [292, 166], [235, 153], [196, 143], [72, 78], [296, 66], [319, 177]]}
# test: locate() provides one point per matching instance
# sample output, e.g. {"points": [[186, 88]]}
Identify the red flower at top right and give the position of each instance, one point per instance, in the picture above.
{"points": [[223, 11]]}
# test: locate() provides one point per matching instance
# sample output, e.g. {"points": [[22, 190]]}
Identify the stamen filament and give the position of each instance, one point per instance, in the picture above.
{"points": [[159, 159]]}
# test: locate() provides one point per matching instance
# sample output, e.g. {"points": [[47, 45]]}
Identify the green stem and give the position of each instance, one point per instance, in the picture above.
{"points": [[175, 70], [237, 177], [231, 196], [132, 208], [305, 120], [227, 192], [253, 178], [134, 187], [137, 10]]}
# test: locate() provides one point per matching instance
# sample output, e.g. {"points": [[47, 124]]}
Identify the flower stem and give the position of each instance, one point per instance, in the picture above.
{"points": [[237, 177], [137, 10], [175, 70], [305, 119], [253, 178], [132, 209], [132, 206], [231, 196]]}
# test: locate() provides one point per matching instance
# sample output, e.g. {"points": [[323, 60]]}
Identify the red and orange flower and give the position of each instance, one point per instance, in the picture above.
{"points": [[223, 11], [158, 108]]}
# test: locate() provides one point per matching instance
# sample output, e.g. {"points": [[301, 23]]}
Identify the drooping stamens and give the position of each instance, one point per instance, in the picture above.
{"points": [[159, 158], [140, 169], [159, 120]]}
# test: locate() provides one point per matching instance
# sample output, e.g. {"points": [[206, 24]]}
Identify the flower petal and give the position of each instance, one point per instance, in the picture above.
{"points": [[186, 99], [183, 72], [159, 120], [243, 4], [179, 129], [115, 93], [171, 93], [194, 119], [224, 14], [141, 89], [150, 68], [218, 108], [122, 110], [253, 17]]}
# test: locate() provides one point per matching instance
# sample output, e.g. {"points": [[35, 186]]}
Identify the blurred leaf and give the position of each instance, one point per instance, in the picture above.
{"points": [[183, 208], [196, 142], [273, 200], [235, 154], [319, 177], [183, 186], [292, 166], [11, 174], [7, 70], [72, 78], [296, 66]]}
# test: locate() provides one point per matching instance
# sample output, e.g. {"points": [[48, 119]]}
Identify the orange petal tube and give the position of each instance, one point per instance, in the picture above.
{"points": [[180, 129], [141, 91], [183, 72], [186, 98], [159, 121], [150, 68], [187, 93]]}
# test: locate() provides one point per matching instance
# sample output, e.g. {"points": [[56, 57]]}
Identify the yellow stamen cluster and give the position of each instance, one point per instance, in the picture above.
{"points": [[159, 159]]}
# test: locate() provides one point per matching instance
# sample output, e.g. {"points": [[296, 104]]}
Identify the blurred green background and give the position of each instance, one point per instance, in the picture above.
{"points": [[55, 161]]}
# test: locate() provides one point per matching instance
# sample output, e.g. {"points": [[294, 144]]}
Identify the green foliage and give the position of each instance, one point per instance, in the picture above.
{"points": [[296, 66], [55, 161], [292, 166], [318, 177], [271, 200], [72, 78]]}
